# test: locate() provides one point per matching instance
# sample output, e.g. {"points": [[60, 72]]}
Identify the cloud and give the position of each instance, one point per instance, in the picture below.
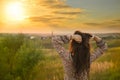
{"points": [[68, 13], [104, 23], [47, 18], [37, 19], [56, 4], [56, 10], [111, 25], [117, 20], [93, 24]]}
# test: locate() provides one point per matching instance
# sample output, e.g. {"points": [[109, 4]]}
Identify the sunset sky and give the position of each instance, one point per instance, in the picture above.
{"points": [[59, 16]]}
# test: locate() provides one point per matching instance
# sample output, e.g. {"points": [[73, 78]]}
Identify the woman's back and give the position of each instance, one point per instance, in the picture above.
{"points": [[69, 69]]}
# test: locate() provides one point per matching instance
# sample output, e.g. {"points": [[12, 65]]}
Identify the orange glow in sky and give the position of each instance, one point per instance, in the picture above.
{"points": [[45, 16]]}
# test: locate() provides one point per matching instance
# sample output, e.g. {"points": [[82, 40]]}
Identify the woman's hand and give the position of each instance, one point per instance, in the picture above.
{"points": [[96, 38]]}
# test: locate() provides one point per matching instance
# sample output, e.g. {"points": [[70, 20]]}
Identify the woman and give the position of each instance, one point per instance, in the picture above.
{"points": [[77, 60]]}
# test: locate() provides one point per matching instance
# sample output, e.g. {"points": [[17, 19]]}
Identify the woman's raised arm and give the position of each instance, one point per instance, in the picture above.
{"points": [[101, 48], [58, 42]]}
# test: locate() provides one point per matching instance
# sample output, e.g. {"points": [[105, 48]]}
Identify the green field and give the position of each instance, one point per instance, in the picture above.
{"points": [[22, 58]]}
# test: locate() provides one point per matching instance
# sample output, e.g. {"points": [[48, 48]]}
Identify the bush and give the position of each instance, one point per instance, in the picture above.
{"points": [[18, 58]]}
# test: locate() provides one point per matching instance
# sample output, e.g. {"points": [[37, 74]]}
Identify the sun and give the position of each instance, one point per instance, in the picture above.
{"points": [[14, 11]]}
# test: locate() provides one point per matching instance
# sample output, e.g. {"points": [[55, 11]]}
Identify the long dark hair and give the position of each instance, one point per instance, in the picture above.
{"points": [[80, 53]]}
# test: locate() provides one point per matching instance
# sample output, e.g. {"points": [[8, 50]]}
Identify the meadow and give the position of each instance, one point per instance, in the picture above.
{"points": [[23, 57]]}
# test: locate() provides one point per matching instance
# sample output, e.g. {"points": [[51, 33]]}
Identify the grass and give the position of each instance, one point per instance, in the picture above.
{"points": [[111, 70], [51, 67]]}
